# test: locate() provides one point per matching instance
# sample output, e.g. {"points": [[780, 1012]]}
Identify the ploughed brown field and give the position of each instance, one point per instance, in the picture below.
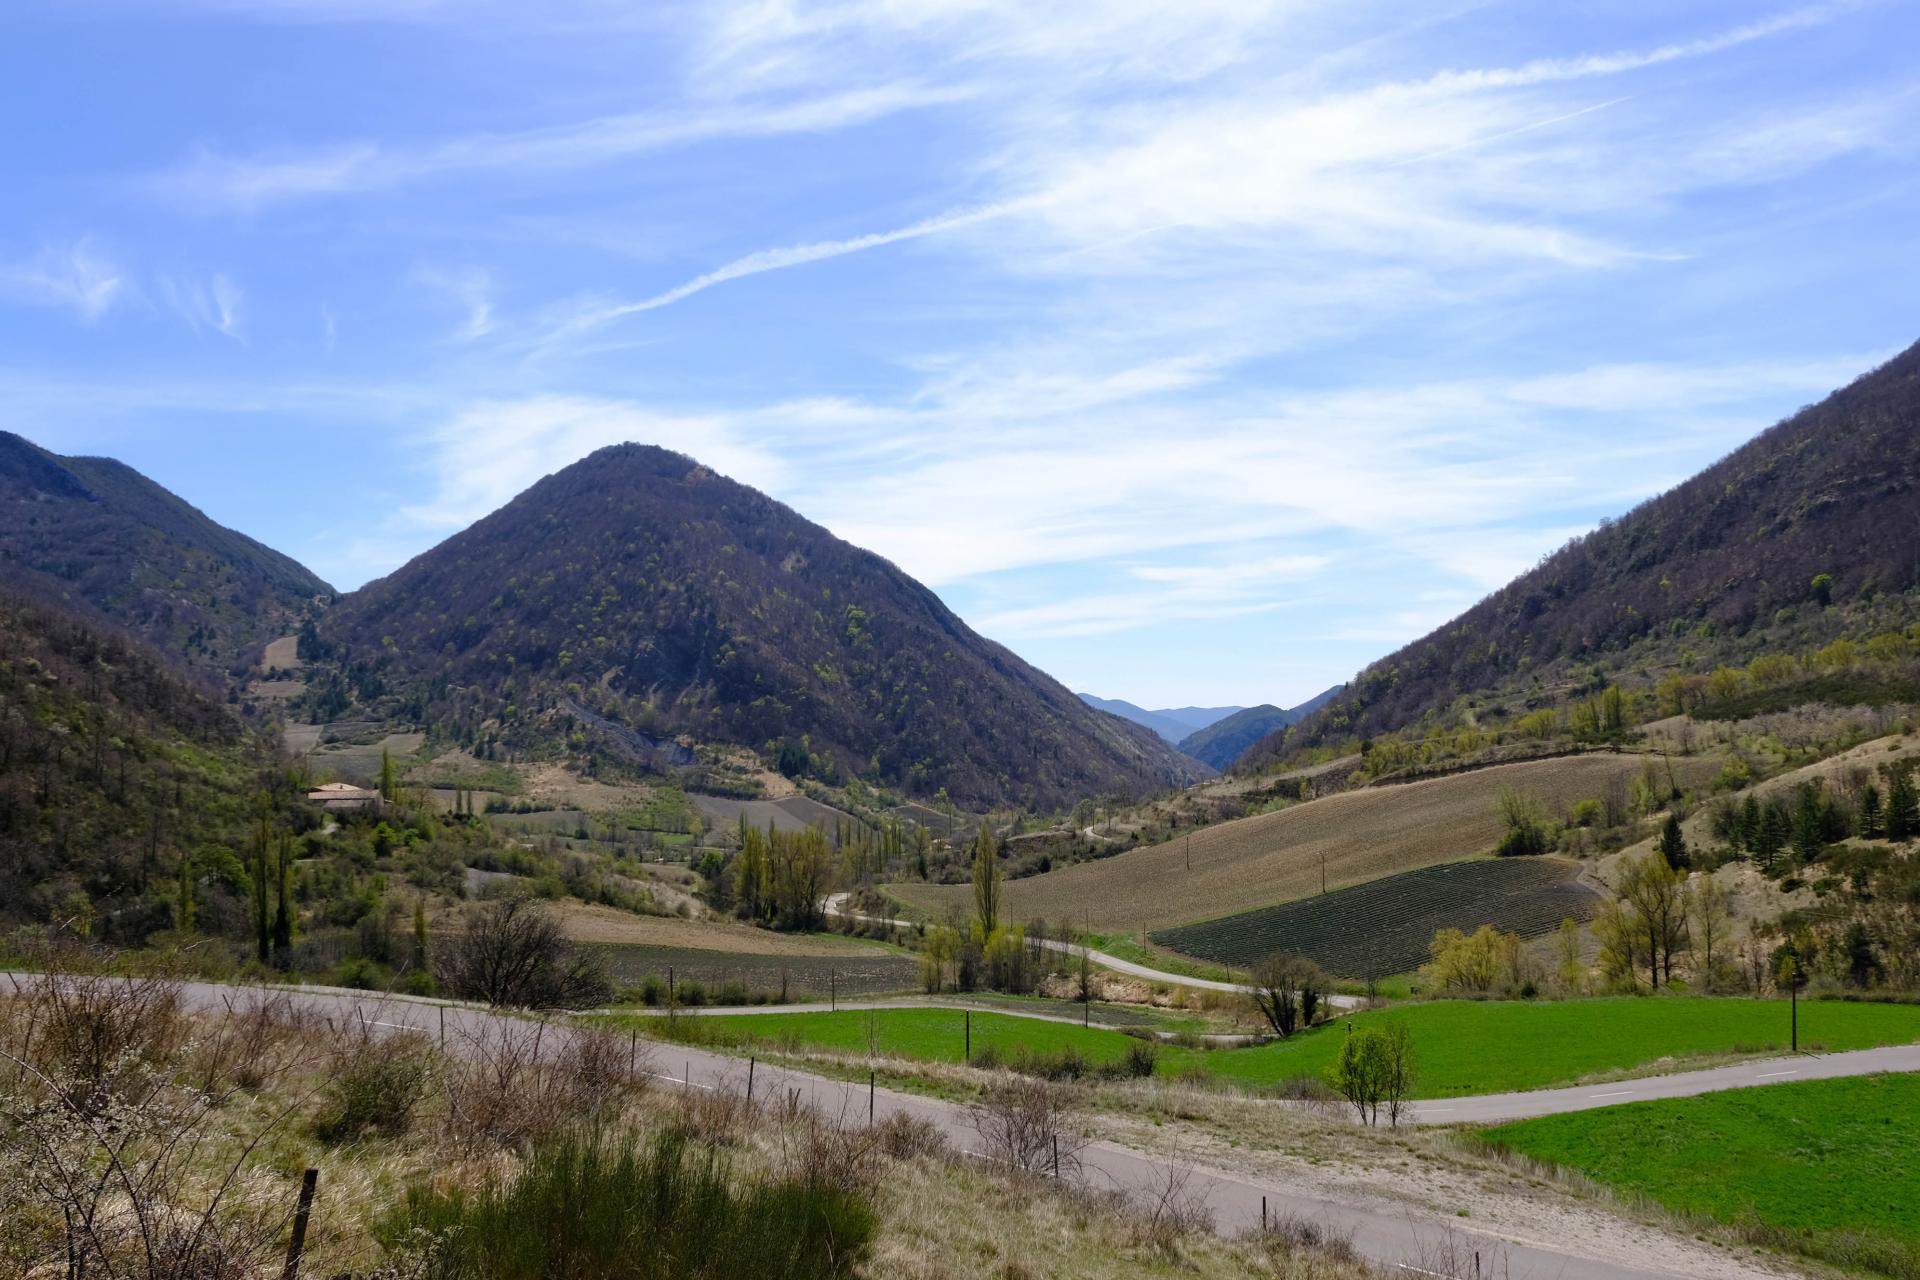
{"points": [[1277, 857]]}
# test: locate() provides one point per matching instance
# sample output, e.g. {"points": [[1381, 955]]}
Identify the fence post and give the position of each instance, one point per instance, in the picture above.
{"points": [[300, 1217], [833, 990], [969, 1017], [1263, 1215], [633, 1054], [1056, 1157], [871, 1076], [443, 1026], [750, 1079]]}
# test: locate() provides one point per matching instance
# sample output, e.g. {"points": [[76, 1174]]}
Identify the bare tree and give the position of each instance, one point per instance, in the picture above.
{"points": [[1286, 987], [514, 953]]}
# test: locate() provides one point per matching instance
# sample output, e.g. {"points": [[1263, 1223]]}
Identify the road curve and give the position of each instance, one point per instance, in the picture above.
{"points": [[831, 906], [1396, 1235]]}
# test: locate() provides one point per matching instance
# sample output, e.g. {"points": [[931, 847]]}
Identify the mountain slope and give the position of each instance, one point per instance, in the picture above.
{"points": [[98, 531], [112, 763], [1832, 493], [1170, 725], [1220, 743], [663, 597]]}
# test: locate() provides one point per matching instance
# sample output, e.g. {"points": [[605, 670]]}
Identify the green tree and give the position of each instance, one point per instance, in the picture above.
{"points": [[389, 782], [1903, 806], [1654, 905], [1872, 818], [1809, 823], [420, 956], [986, 880], [1821, 589], [1673, 844], [183, 910], [1771, 835]]}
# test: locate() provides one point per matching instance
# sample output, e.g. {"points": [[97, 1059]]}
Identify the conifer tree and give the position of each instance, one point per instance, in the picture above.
{"points": [[388, 782], [1903, 806], [1673, 844]]}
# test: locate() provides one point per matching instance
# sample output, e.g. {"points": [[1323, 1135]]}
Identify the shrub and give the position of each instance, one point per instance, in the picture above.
{"points": [[1142, 1057], [615, 1210], [513, 953], [376, 1088]]}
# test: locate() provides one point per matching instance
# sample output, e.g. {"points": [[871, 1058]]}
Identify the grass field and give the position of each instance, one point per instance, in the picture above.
{"points": [[1276, 857], [1463, 1047], [1822, 1161], [1385, 925]]}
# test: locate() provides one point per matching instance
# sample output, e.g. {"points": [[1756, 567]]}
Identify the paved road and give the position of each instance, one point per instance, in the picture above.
{"points": [[833, 906], [1217, 1040], [1494, 1108], [1395, 1235]]}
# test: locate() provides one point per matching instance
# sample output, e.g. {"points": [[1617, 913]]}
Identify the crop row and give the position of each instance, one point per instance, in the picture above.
{"points": [[1385, 926]]}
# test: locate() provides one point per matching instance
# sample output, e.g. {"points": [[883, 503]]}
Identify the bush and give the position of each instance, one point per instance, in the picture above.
{"points": [[514, 954], [615, 1210], [376, 1088], [1142, 1057]]}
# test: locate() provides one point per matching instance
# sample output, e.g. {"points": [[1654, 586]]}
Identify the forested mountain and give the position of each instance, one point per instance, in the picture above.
{"points": [[646, 590], [1815, 516], [97, 531], [113, 765], [1223, 741]]}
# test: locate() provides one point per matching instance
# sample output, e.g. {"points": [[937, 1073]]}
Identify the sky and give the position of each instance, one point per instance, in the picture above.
{"points": [[1201, 353]]}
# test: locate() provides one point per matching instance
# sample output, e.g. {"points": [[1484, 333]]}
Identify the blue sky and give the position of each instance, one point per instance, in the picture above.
{"points": [[1200, 352]]}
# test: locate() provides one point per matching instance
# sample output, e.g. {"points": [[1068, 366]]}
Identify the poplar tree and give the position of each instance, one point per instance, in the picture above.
{"points": [[986, 880]]}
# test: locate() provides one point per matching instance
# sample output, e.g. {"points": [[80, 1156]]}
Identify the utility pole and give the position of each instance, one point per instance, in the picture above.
{"points": [[1189, 853]]}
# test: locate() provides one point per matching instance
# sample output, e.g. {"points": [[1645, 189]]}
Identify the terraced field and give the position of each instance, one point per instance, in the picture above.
{"points": [[1277, 857], [1384, 926]]}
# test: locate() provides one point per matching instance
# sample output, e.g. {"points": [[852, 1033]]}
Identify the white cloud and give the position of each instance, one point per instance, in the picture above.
{"points": [[213, 179], [214, 303], [78, 278], [470, 289]]}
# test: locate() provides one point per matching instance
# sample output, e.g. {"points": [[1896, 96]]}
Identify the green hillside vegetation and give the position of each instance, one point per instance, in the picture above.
{"points": [[1463, 1047], [95, 532], [1829, 1167], [636, 597], [1792, 532], [1224, 741]]}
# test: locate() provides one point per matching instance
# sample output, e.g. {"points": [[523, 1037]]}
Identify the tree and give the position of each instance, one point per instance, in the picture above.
{"points": [[513, 953], [283, 904], [1809, 823], [1771, 835], [1526, 828], [1872, 817], [1653, 896], [1709, 926], [1673, 844], [1276, 983], [938, 956], [1903, 806], [389, 783], [1572, 971], [1477, 963], [1376, 1067], [986, 880], [420, 956], [183, 909], [1821, 589]]}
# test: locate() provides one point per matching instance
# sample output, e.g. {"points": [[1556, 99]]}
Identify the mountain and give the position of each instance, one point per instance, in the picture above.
{"points": [[96, 531], [1814, 520], [1222, 742], [123, 763], [1196, 718], [642, 589], [1170, 726]]}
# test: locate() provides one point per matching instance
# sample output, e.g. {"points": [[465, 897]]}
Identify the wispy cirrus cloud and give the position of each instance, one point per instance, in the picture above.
{"points": [[214, 302], [215, 179], [79, 278]]}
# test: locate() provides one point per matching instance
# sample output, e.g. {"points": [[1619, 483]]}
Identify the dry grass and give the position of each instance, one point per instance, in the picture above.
{"points": [[1277, 857]]}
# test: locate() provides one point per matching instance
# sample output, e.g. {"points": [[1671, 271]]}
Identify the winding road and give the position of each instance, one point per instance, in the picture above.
{"points": [[1398, 1235], [833, 906]]}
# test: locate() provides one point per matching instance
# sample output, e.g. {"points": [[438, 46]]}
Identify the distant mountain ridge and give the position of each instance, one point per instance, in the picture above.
{"points": [[98, 534], [1820, 510], [1171, 725], [671, 600], [1219, 744]]}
